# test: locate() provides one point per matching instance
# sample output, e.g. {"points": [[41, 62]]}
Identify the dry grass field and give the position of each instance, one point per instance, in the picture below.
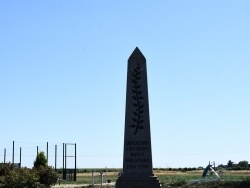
{"points": [[189, 179]]}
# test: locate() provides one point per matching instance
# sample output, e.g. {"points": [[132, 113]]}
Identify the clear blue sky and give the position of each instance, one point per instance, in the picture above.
{"points": [[63, 78]]}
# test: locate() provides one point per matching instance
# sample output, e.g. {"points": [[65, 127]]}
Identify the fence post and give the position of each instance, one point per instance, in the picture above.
{"points": [[93, 178]]}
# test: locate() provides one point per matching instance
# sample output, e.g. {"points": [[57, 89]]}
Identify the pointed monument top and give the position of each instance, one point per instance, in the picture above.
{"points": [[137, 54], [137, 49]]}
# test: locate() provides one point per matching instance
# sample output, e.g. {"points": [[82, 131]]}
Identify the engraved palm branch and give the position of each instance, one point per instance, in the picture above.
{"points": [[137, 99]]}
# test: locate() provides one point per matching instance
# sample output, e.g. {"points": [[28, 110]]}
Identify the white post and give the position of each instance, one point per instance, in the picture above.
{"points": [[93, 178], [101, 177], [104, 178]]}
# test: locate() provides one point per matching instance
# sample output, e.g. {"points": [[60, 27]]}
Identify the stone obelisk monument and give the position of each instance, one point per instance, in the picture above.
{"points": [[137, 156]]}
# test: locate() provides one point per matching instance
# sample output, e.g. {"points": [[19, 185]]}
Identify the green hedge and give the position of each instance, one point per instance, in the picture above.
{"points": [[40, 177]]}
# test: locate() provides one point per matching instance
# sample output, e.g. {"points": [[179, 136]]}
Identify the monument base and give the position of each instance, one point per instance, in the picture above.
{"points": [[137, 182]]}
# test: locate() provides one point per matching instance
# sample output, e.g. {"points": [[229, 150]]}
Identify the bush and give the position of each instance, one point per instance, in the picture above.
{"points": [[60, 171], [184, 169], [20, 178], [5, 168], [30, 178], [46, 175], [41, 176]]}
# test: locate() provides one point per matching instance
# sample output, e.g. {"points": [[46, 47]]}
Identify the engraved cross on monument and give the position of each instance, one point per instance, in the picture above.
{"points": [[137, 156]]}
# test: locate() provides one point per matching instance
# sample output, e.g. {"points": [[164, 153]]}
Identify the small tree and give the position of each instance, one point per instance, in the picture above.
{"points": [[46, 175], [230, 163], [40, 160], [243, 164]]}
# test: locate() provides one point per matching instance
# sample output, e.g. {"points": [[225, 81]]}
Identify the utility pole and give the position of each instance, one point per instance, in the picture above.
{"points": [[20, 157], [4, 159], [47, 152], [55, 156], [13, 152]]}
